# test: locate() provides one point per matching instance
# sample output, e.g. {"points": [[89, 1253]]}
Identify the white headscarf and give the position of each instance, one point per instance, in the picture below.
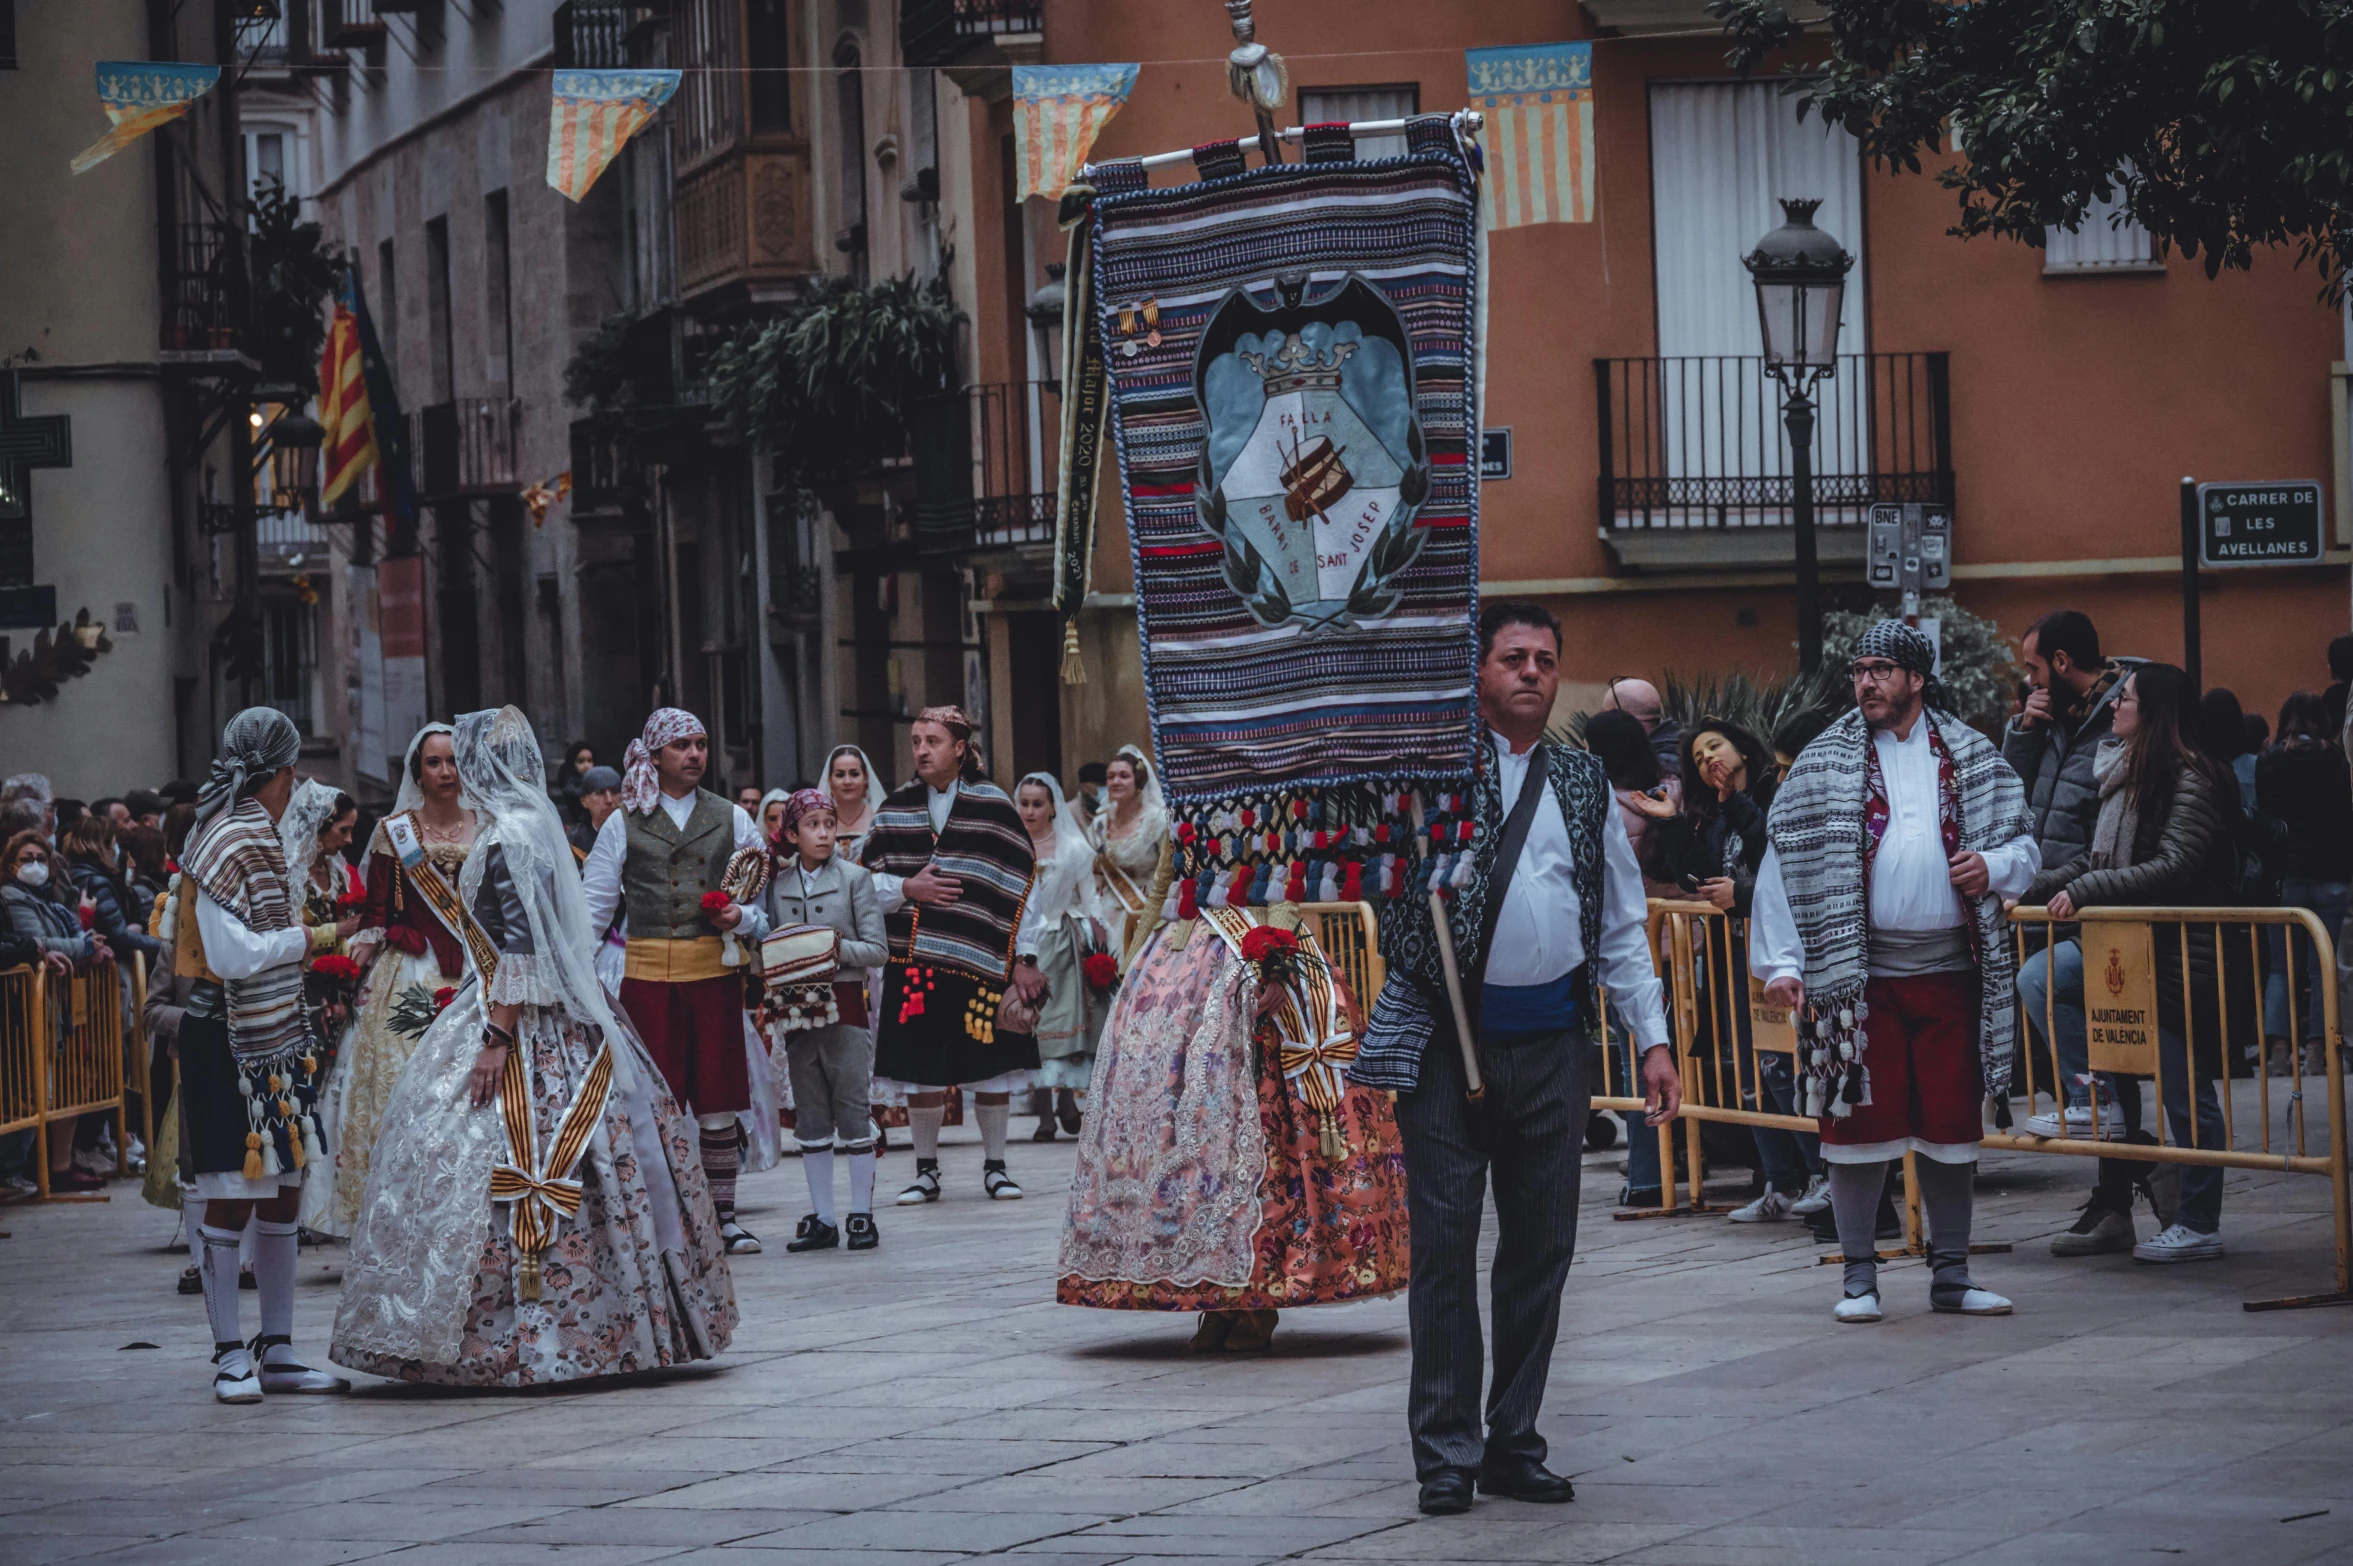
{"points": [[876, 788], [760, 816], [1152, 819], [311, 808], [412, 793], [502, 774], [1066, 884]]}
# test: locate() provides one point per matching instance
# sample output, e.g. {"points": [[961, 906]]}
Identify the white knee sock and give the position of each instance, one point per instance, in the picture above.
{"points": [[218, 1262], [924, 1126], [993, 1119], [861, 1182], [273, 1276], [817, 1164]]}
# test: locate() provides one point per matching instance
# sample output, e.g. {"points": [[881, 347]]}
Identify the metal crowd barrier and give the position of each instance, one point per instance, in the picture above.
{"points": [[61, 1057], [1720, 1025]]}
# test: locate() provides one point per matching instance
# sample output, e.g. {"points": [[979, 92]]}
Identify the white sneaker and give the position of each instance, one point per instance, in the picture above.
{"points": [[2180, 1243], [1857, 1310], [94, 1161], [281, 1372], [234, 1380], [18, 1185], [1772, 1207], [1816, 1199], [1975, 1302], [2078, 1124], [135, 1159]]}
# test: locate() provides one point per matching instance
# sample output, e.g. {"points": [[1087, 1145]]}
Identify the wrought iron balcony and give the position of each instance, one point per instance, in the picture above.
{"points": [[199, 314], [601, 34], [1695, 461], [984, 467], [467, 447], [605, 469], [943, 32]]}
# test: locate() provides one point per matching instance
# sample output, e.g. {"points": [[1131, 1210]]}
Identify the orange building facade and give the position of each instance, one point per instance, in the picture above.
{"points": [[2055, 398]]}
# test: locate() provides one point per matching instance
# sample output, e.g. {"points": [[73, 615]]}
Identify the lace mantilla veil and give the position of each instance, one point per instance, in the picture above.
{"points": [[310, 808], [410, 1277]]}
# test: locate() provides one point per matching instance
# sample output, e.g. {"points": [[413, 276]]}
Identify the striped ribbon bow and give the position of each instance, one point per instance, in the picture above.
{"points": [[537, 1202]]}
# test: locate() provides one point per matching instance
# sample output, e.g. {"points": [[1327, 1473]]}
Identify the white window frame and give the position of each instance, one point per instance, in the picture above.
{"points": [[2104, 241], [1347, 105]]}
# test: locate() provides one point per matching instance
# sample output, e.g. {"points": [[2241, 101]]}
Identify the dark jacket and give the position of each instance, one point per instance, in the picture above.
{"points": [[2055, 763], [2184, 855], [124, 932], [2304, 802], [1722, 838], [49, 924]]}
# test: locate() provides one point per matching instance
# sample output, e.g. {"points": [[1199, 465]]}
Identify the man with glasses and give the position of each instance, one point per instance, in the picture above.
{"points": [[1878, 922]]}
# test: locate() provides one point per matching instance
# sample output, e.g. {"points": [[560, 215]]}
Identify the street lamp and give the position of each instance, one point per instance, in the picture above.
{"points": [[295, 439], [1800, 275], [1045, 319]]}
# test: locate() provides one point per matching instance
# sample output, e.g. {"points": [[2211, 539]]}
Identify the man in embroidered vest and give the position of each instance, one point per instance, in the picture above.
{"points": [[1554, 906], [952, 866], [657, 859], [1878, 923], [249, 1068]]}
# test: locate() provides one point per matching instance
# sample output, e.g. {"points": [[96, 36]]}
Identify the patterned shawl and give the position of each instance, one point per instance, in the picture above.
{"points": [[1825, 827], [986, 847], [238, 862]]}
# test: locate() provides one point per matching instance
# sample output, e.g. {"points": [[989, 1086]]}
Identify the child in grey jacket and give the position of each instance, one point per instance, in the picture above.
{"points": [[831, 1067]]}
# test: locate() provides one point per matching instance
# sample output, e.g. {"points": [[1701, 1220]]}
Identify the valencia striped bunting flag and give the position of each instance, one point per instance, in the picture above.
{"points": [[593, 116], [1538, 99], [139, 95], [349, 448], [1058, 111]]}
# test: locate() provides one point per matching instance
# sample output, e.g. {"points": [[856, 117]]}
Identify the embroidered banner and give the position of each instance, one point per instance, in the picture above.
{"points": [[139, 95], [1289, 355], [592, 118], [1538, 100], [1058, 111]]}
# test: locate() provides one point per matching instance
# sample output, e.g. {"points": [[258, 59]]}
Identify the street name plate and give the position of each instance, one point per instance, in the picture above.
{"points": [[1495, 454], [2260, 524], [2120, 996]]}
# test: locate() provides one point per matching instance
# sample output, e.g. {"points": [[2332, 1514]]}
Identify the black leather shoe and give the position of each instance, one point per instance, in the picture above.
{"points": [[1446, 1493], [1525, 1479], [863, 1235], [814, 1234]]}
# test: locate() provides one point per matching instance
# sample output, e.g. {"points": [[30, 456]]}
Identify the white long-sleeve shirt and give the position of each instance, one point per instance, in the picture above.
{"points": [[236, 950], [600, 877], [892, 889], [1911, 881], [1539, 930]]}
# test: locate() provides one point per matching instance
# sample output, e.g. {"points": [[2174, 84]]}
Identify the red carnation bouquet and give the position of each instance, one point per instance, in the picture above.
{"points": [[1272, 952], [441, 999], [715, 904], [352, 901], [335, 967], [415, 1008], [1101, 970]]}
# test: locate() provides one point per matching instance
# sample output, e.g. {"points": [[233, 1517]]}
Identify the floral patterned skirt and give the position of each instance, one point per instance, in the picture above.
{"points": [[1203, 1182], [615, 1299]]}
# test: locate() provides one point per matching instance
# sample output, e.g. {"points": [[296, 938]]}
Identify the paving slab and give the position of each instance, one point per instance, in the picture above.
{"points": [[927, 1404]]}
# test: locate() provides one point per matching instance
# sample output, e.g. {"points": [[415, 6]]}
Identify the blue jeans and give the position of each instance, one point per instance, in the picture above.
{"points": [[2329, 899], [1642, 1141], [1789, 1157], [2201, 1185]]}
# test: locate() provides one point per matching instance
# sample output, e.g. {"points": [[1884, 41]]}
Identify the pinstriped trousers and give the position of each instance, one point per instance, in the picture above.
{"points": [[1530, 1130]]}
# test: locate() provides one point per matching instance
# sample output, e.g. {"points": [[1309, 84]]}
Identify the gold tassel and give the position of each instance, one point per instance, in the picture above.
{"points": [[1332, 1144], [1074, 669], [527, 1278]]}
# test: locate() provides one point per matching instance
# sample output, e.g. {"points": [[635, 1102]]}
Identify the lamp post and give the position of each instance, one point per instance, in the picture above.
{"points": [[1800, 275]]}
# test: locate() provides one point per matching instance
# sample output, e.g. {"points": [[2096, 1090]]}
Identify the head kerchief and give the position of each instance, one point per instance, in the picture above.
{"points": [[642, 787], [1900, 644], [257, 742], [801, 803]]}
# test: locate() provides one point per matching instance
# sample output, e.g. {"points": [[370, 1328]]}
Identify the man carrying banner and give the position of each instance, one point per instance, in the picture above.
{"points": [[661, 859], [1878, 923], [1552, 910]]}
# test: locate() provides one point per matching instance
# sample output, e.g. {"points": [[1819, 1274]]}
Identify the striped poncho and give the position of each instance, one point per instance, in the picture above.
{"points": [[985, 847], [241, 865]]}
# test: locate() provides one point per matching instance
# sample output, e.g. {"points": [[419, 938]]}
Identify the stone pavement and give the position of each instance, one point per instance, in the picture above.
{"points": [[928, 1403]]}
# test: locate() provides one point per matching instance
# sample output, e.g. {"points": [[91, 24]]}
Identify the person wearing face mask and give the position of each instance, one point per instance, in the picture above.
{"points": [[408, 945], [36, 914]]}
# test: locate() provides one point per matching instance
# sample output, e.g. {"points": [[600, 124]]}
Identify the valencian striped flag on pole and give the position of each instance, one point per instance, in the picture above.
{"points": [[593, 116], [139, 95], [349, 447], [1058, 111], [1538, 99]]}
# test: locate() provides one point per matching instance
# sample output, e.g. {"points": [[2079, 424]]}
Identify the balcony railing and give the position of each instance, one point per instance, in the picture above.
{"points": [[198, 314], [467, 446], [597, 34], [938, 32], [1695, 461], [984, 466], [605, 468]]}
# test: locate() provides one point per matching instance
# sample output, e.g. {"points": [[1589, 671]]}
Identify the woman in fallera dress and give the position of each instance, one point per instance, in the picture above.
{"points": [[536, 1209]]}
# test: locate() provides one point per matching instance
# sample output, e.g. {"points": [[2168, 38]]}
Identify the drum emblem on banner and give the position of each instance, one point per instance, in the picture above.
{"points": [[1314, 463]]}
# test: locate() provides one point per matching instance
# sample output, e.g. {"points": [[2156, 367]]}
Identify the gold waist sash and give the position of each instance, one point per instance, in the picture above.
{"points": [[677, 962]]}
